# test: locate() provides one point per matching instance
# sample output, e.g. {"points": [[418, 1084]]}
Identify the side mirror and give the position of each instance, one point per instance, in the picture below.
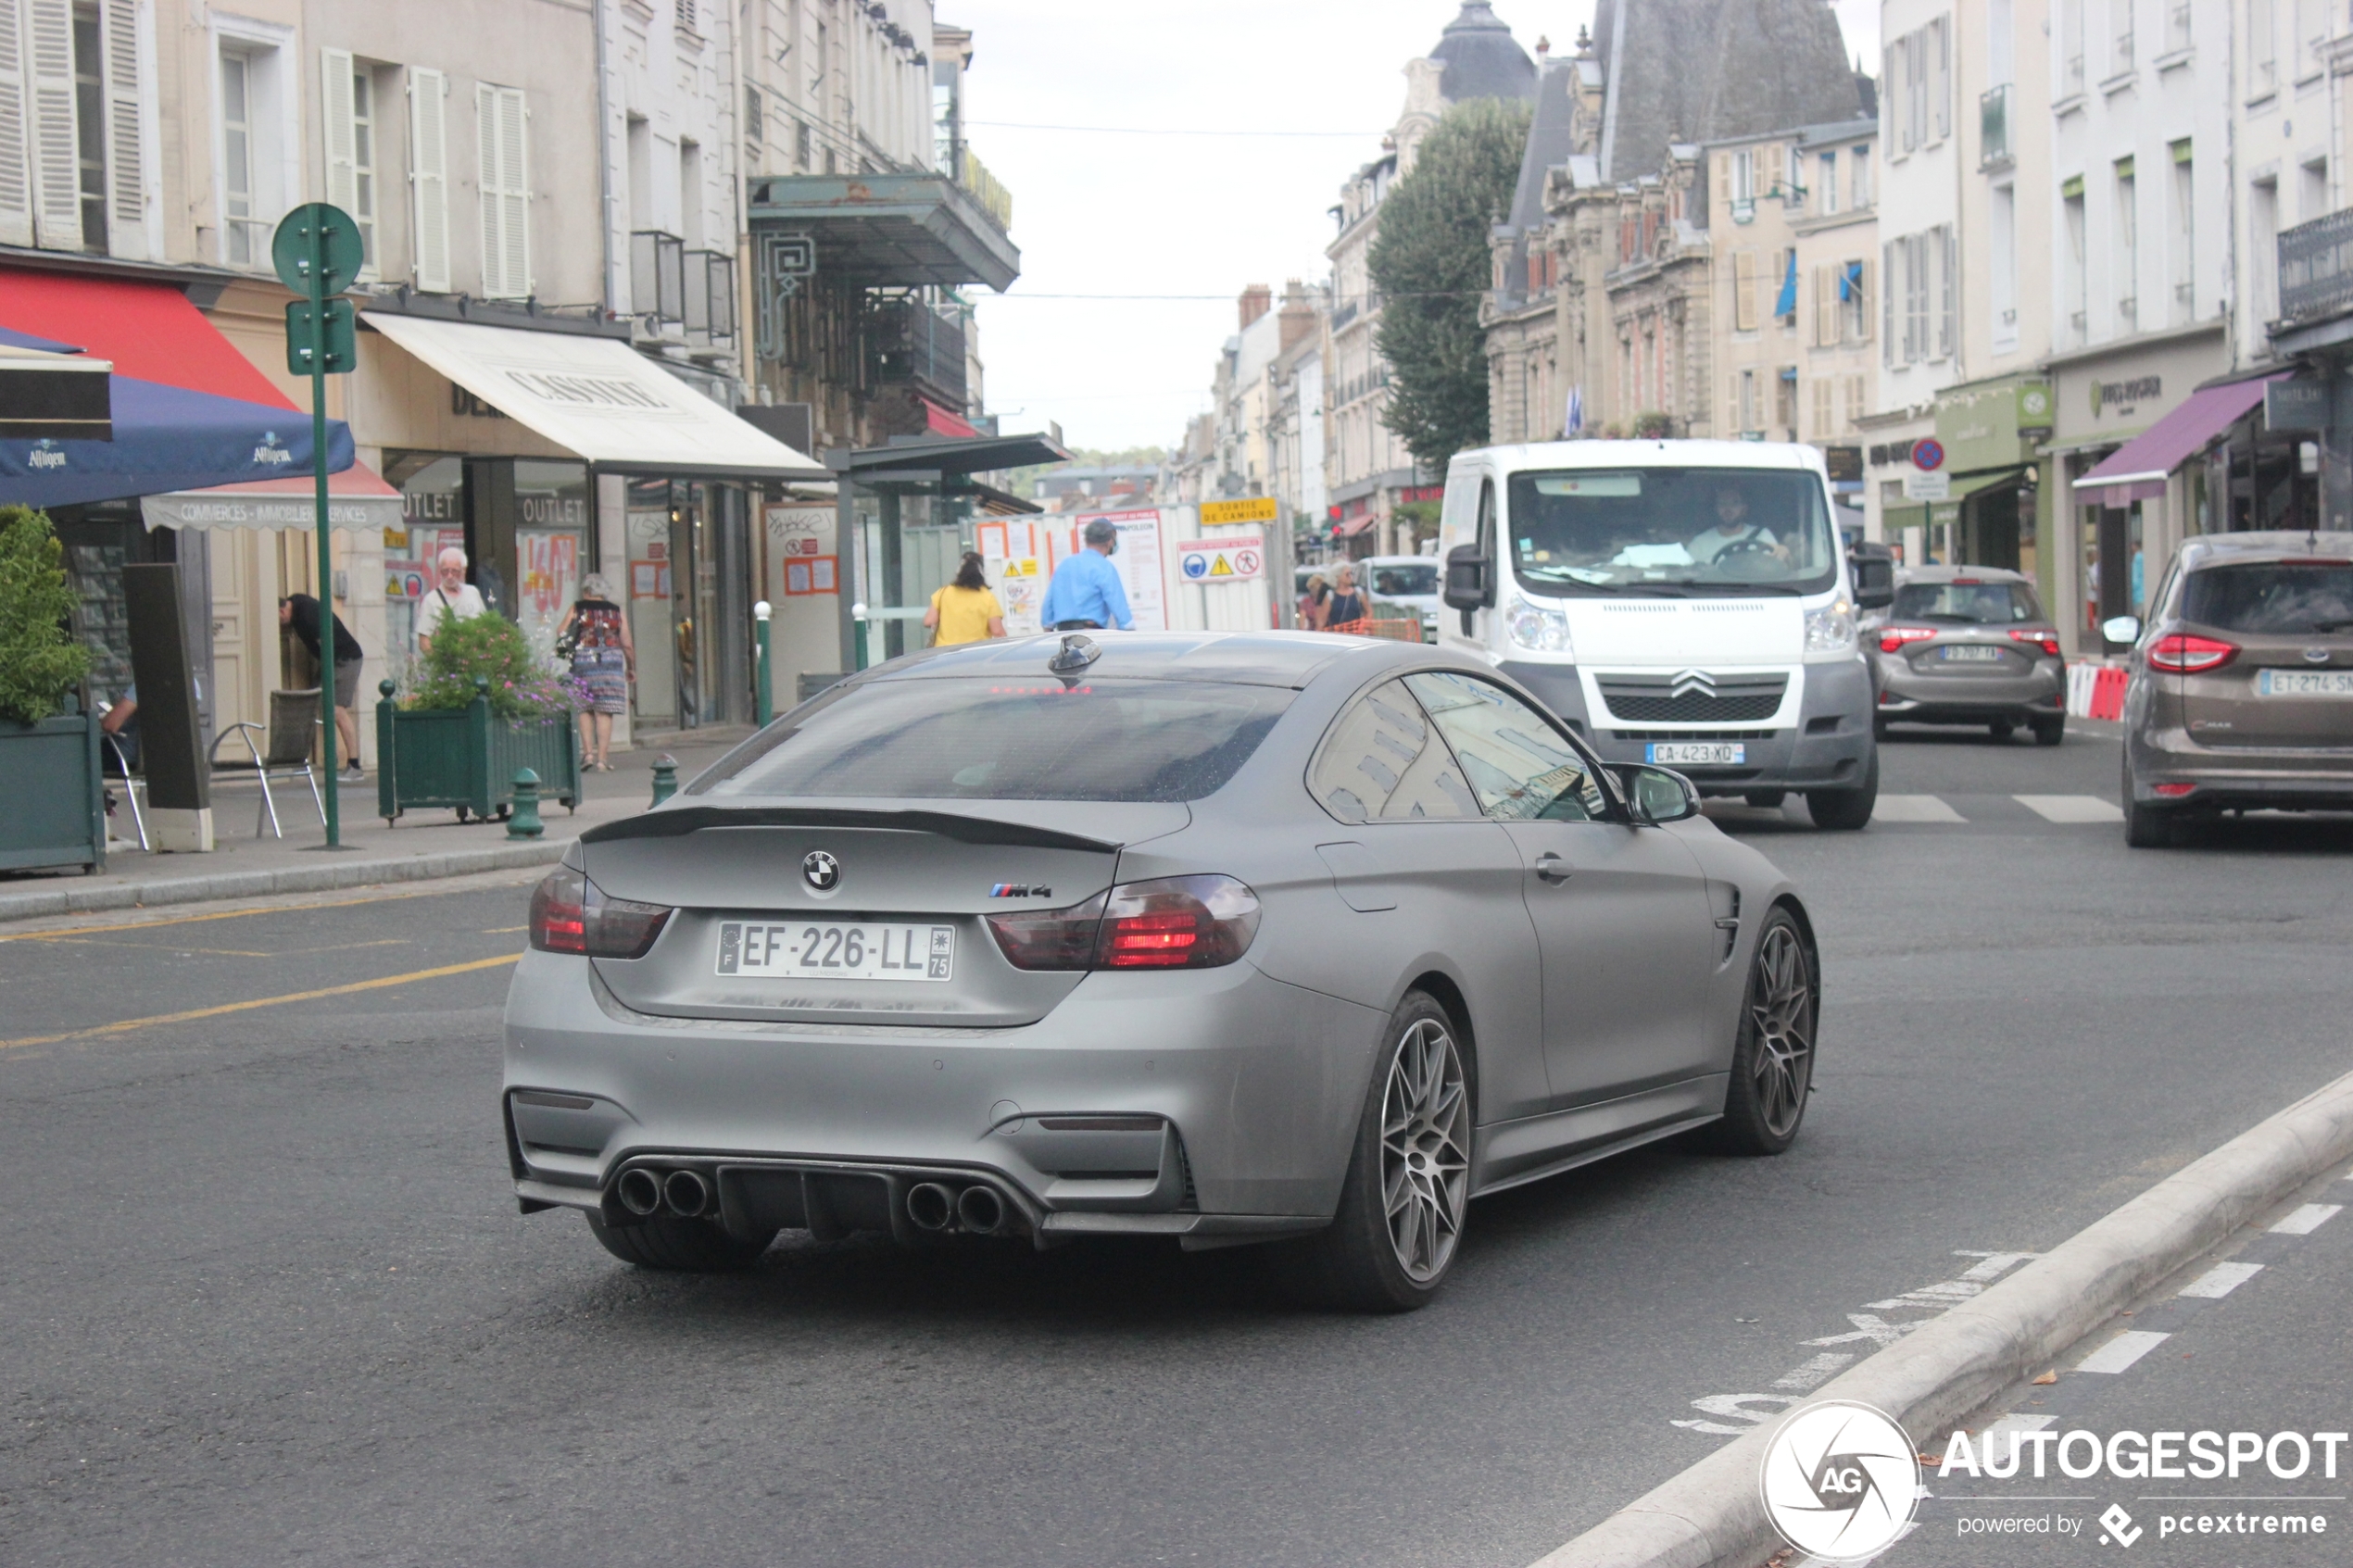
{"points": [[1874, 571], [1656, 795], [2122, 628], [1470, 579]]}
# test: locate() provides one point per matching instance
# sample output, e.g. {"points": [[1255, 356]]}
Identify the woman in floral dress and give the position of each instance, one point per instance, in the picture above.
{"points": [[604, 662]]}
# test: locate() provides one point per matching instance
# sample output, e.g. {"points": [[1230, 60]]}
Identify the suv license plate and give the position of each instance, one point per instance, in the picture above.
{"points": [[805, 949], [2304, 683], [1969, 653], [1682, 753]]}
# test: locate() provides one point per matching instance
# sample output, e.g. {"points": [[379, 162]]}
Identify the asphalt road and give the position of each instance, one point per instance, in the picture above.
{"points": [[268, 1297]]}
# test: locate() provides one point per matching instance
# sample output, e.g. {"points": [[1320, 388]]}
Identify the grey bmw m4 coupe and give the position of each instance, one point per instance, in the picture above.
{"points": [[1277, 937]]}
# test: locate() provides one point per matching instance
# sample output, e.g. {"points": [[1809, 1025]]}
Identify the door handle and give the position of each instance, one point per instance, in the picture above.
{"points": [[1552, 869]]}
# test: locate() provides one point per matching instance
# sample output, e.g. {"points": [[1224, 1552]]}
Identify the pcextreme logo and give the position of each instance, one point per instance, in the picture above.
{"points": [[1840, 1481]]}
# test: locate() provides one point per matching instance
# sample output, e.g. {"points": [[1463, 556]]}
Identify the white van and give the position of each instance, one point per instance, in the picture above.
{"points": [[1682, 603]]}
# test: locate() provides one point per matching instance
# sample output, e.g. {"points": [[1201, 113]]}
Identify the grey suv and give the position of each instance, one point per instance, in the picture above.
{"points": [[2241, 684]]}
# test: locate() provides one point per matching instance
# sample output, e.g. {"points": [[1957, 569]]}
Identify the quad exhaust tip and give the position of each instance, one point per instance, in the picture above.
{"points": [[931, 1206], [688, 1193], [640, 1192], [980, 1210]]}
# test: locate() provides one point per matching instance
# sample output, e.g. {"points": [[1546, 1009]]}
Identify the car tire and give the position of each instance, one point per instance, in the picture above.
{"points": [[1382, 1257], [2050, 732], [1878, 729], [1768, 799], [674, 1245], [1844, 811], [1773, 1052], [2002, 729], [2146, 826]]}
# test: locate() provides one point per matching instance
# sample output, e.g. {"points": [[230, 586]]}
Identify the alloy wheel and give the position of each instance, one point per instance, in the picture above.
{"points": [[1780, 1013], [1425, 1150]]}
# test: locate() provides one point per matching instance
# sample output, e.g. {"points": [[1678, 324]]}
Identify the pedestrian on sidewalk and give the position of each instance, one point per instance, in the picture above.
{"points": [[1086, 595], [1346, 603], [453, 599], [1310, 603], [965, 612], [604, 661], [300, 613]]}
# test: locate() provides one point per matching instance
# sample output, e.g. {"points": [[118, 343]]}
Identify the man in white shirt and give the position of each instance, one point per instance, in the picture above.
{"points": [[1732, 527], [451, 597]]}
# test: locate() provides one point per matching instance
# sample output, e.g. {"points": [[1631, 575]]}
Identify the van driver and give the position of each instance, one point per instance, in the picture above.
{"points": [[1732, 527]]}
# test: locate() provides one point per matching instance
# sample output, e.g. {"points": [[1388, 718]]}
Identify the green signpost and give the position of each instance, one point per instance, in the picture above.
{"points": [[318, 253]]}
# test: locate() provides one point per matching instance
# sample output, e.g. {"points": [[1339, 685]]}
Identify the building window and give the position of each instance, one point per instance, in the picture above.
{"points": [[2077, 291], [2312, 179], [2311, 37], [2072, 46], [2263, 213], [363, 162], [2185, 234], [1744, 175], [90, 127], [2002, 266], [1940, 74], [1785, 400], [2127, 282], [2121, 28], [1826, 182], [1948, 282], [1859, 162], [2262, 49], [242, 233], [2177, 25]]}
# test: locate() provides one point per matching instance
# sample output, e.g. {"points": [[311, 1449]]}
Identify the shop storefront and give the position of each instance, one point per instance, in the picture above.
{"points": [[2116, 533], [1990, 513]]}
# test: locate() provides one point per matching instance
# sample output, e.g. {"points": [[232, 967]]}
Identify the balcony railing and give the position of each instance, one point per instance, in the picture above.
{"points": [[912, 344], [658, 281], [710, 299], [1994, 128], [2315, 268], [984, 188]]}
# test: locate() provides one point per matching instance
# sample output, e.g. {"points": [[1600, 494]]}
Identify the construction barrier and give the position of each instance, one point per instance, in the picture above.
{"points": [[1396, 630], [2095, 690]]}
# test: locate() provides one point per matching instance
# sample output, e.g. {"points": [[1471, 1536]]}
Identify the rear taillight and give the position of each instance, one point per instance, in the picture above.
{"points": [[2181, 653], [571, 914], [2173, 791], [1174, 923], [2046, 641], [1892, 638]]}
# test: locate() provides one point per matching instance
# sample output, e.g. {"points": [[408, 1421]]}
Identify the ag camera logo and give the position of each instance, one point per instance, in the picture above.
{"points": [[1840, 1481]]}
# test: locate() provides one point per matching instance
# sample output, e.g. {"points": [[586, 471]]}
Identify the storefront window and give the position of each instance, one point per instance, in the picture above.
{"points": [[552, 541], [432, 516]]}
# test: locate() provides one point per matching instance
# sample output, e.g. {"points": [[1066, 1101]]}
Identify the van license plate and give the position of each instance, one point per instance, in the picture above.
{"points": [[808, 950], [1682, 753], [2304, 683]]}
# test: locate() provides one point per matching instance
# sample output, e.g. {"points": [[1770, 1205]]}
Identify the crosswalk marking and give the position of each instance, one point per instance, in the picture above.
{"points": [[2307, 1218], [2070, 808], [1914, 809], [2221, 1279]]}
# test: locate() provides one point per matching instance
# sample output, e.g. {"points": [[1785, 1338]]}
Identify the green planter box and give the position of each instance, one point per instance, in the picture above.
{"points": [[464, 759], [55, 814]]}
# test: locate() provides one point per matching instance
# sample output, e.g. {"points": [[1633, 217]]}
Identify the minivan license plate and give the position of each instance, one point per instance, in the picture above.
{"points": [[2304, 683], [805, 949], [1683, 752]]}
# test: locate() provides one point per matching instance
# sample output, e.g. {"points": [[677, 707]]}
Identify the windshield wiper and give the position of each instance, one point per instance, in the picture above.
{"points": [[1741, 588]]}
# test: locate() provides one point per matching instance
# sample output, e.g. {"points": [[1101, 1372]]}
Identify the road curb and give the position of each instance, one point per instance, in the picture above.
{"points": [[329, 875], [1712, 1515]]}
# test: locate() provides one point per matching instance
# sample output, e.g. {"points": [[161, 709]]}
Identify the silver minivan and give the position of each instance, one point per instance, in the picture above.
{"points": [[1679, 603]]}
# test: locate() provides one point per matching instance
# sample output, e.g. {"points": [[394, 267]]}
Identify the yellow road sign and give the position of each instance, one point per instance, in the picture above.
{"points": [[1254, 509]]}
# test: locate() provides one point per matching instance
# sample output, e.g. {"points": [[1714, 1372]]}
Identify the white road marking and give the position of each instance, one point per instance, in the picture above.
{"points": [[2221, 1279], [1880, 1333], [2070, 808], [2123, 1351], [2307, 1219], [1814, 1372], [1943, 1293], [1735, 1407], [1914, 809], [2014, 1424]]}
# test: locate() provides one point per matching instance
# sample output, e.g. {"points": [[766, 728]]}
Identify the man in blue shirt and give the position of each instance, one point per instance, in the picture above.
{"points": [[1086, 595]]}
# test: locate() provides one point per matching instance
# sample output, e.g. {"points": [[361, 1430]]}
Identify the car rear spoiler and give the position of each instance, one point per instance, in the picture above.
{"points": [[682, 821]]}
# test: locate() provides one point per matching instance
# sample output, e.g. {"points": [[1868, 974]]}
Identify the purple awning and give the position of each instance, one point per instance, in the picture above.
{"points": [[2137, 470]]}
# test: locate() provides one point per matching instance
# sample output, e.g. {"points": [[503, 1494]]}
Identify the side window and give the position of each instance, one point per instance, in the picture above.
{"points": [[1383, 762], [1487, 518], [1518, 763]]}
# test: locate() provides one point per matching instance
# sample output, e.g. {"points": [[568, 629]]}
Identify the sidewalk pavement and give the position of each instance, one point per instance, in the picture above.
{"points": [[424, 843]]}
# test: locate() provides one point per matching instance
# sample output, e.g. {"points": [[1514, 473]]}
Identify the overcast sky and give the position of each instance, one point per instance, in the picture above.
{"points": [[1138, 205]]}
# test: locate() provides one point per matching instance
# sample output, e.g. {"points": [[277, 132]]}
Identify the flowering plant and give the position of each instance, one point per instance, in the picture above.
{"points": [[493, 648]]}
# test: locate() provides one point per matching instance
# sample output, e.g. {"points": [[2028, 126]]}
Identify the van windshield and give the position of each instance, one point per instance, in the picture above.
{"points": [[1673, 532]]}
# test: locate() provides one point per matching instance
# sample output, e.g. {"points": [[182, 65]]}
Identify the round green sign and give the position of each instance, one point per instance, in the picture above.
{"points": [[317, 234]]}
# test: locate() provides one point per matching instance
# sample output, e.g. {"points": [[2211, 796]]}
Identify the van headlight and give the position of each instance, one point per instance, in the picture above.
{"points": [[1540, 629], [1831, 629]]}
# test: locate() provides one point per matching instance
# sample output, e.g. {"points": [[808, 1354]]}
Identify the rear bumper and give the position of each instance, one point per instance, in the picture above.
{"points": [[1198, 1095], [1906, 696], [2236, 778], [1829, 748]]}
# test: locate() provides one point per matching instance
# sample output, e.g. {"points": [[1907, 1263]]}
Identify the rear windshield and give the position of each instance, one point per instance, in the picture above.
{"points": [[1004, 739], [1968, 604], [2288, 597], [1403, 581]]}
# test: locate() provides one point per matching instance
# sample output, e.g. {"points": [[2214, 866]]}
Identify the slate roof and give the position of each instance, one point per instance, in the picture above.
{"points": [[1482, 58], [1702, 71]]}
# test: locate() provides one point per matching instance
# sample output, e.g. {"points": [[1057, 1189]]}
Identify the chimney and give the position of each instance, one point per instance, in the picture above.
{"points": [[1543, 53], [1256, 300], [1299, 315]]}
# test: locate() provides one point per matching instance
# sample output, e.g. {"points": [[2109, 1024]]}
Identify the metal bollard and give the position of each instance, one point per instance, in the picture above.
{"points": [[665, 777], [765, 707], [523, 822]]}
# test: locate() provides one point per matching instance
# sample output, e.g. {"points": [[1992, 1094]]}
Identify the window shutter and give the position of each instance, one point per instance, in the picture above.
{"points": [[1825, 306], [1887, 305], [429, 176], [336, 123], [55, 169], [505, 193], [1948, 314], [514, 151], [1745, 291], [125, 133], [1943, 26], [16, 168], [1863, 305]]}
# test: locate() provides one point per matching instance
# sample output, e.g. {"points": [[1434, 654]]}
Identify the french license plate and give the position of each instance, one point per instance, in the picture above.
{"points": [[1682, 752], [2304, 683], [805, 949], [1968, 652]]}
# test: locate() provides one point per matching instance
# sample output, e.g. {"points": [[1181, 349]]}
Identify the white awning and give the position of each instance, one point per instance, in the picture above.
{"points": [[599, 398], [357, 499]]}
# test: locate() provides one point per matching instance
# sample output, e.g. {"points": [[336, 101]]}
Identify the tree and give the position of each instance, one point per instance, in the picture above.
{"points": [[40, 661], [1430, 263]]}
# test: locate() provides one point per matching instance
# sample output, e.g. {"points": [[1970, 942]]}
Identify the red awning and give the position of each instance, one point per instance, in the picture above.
{"points": [[149, 330], [939, 421], [1350, 529], [2137, 470]]}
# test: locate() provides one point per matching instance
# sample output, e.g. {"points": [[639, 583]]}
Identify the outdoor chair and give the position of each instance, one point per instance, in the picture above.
{"points": [[285, 753], [131, 787]]}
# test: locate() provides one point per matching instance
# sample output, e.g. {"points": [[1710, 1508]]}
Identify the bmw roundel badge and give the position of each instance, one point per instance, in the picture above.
{"points": [[821, 871]]}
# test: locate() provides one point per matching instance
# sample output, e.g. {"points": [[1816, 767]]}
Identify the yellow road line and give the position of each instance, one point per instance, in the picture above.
{"points": [[425, 890], [125, 1026]]}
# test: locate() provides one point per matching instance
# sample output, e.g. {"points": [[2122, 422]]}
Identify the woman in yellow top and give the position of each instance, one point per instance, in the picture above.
{"points": [[965, 612]]}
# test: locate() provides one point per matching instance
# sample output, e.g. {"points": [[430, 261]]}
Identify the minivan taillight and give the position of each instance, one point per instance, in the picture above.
{"points": [[572, 914], [1892, 638], [1171, 922], [2183, 653]]}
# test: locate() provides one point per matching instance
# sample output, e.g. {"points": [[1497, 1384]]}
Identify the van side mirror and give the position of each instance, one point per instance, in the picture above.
{"points": [[1873, 566], [2122, 628], [1656, 795], [1470, 579]]}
